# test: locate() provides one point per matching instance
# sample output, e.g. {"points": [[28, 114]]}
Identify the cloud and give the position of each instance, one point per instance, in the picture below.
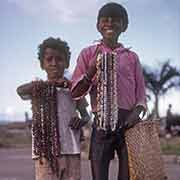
{"points": [[64, 10]]}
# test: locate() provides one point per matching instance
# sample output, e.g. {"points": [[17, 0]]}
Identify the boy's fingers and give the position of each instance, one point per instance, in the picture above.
{"points": [[75, 123], [131, 123], [60, 82], [52, 83], [70, 122]]}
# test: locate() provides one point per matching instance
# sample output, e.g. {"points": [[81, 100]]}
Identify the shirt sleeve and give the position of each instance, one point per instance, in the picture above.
{"points": [[140, 85], [79, 72]]}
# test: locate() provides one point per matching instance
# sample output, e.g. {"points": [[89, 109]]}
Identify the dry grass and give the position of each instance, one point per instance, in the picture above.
{"points": [[16, 125], [11, 136], [17, 135], [171, 145]]}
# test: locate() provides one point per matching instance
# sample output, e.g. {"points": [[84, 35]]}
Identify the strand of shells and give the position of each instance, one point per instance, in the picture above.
{"points": [[45, 123], [107, 107]]}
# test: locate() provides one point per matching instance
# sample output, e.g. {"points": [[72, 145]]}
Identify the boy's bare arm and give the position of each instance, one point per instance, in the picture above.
{"points": [[76, 122], [134, 118], [25, 91], [80, 89]]}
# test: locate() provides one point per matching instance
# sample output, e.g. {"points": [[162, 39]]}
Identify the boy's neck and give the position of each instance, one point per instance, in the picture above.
{"points": [[110, 44], [54, 78]]}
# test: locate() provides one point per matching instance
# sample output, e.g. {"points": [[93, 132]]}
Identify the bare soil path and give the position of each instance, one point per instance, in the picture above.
{"points": [[16, 164]]}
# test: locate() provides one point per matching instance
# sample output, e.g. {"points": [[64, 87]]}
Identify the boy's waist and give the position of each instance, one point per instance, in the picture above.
{"points": [[122, 116]]}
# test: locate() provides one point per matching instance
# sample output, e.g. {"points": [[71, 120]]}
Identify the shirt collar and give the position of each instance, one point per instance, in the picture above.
{"points": [[120, 47]]}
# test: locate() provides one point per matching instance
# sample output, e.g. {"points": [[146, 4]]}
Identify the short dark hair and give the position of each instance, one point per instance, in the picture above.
{"points": [[114, 10], [57, 44]]}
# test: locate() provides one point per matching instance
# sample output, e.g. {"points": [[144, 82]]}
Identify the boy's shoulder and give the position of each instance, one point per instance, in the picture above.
{"points": [[90, 49], [129, 52], [133, 54]]}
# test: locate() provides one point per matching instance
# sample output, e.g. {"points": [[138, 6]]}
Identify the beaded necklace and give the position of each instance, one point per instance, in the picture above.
{"points": [[45, 123], [107, 107]]}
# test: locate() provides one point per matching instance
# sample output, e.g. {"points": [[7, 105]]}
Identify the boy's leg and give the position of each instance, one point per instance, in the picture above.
{"points": [[121, 148], [69, 168], [43, 170], [100, 169], [101, 152], [72, 167], [122, 153]]}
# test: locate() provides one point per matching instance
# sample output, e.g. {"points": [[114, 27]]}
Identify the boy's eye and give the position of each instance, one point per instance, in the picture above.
{"points": [[113, 19], [104, 19], [57, 58], [51, 58]]}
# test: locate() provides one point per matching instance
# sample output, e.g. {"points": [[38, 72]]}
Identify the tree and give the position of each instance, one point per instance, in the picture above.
{"points": [[159, 81]]}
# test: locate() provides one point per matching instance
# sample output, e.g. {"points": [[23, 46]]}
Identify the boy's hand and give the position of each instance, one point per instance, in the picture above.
{"points": [[134, 118], [61, 83], [76, 123]]}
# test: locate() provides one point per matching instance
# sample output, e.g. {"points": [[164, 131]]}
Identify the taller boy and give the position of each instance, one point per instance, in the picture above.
{"points": [[112, 20]]}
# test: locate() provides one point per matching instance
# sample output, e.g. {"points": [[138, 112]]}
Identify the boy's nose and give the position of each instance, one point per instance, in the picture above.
{"points": [[53, 62], [109, 20]]}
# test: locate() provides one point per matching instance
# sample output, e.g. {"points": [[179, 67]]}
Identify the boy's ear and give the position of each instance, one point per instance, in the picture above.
{"points": [[41, 65], [67, 65], [97, 26]]}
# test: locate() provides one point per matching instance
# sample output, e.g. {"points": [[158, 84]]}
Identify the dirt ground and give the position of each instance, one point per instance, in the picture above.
{"points": [[16, 164]]}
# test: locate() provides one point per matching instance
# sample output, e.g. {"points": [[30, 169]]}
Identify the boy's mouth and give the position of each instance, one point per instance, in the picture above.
{"points": [[53, 68], [53, 71], [109, 31]]}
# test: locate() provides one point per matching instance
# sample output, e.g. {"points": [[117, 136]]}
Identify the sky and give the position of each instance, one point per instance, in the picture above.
{"points": [[153, 33]]}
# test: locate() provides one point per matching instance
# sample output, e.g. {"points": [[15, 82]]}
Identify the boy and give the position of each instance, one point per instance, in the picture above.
{"points": [[112, 20], [54, 56]]}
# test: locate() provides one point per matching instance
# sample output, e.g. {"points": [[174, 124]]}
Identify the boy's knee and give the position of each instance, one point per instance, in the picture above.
{"points": [[73, 178]]}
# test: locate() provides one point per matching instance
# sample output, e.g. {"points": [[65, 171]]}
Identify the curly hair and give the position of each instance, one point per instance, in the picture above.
{"points": [[57, 44], [114, 10]]}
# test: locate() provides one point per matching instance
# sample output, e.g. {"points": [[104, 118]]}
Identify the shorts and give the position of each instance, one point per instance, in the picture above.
{"points": [[104, 144]]}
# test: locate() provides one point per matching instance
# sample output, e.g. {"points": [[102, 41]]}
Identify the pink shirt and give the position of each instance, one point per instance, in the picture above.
{"points": [[130, 80]]}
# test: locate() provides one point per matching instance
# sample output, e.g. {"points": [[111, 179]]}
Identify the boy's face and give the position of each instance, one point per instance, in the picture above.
{"points": [[110, 28], [54, 63]]}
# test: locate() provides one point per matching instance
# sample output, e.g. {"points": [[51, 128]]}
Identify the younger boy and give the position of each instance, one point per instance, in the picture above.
{"points": [[54, 56], [112, 20]]}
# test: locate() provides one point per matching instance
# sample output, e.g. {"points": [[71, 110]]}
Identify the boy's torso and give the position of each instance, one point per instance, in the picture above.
{"points": [[126, 73], [66, 109]]}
